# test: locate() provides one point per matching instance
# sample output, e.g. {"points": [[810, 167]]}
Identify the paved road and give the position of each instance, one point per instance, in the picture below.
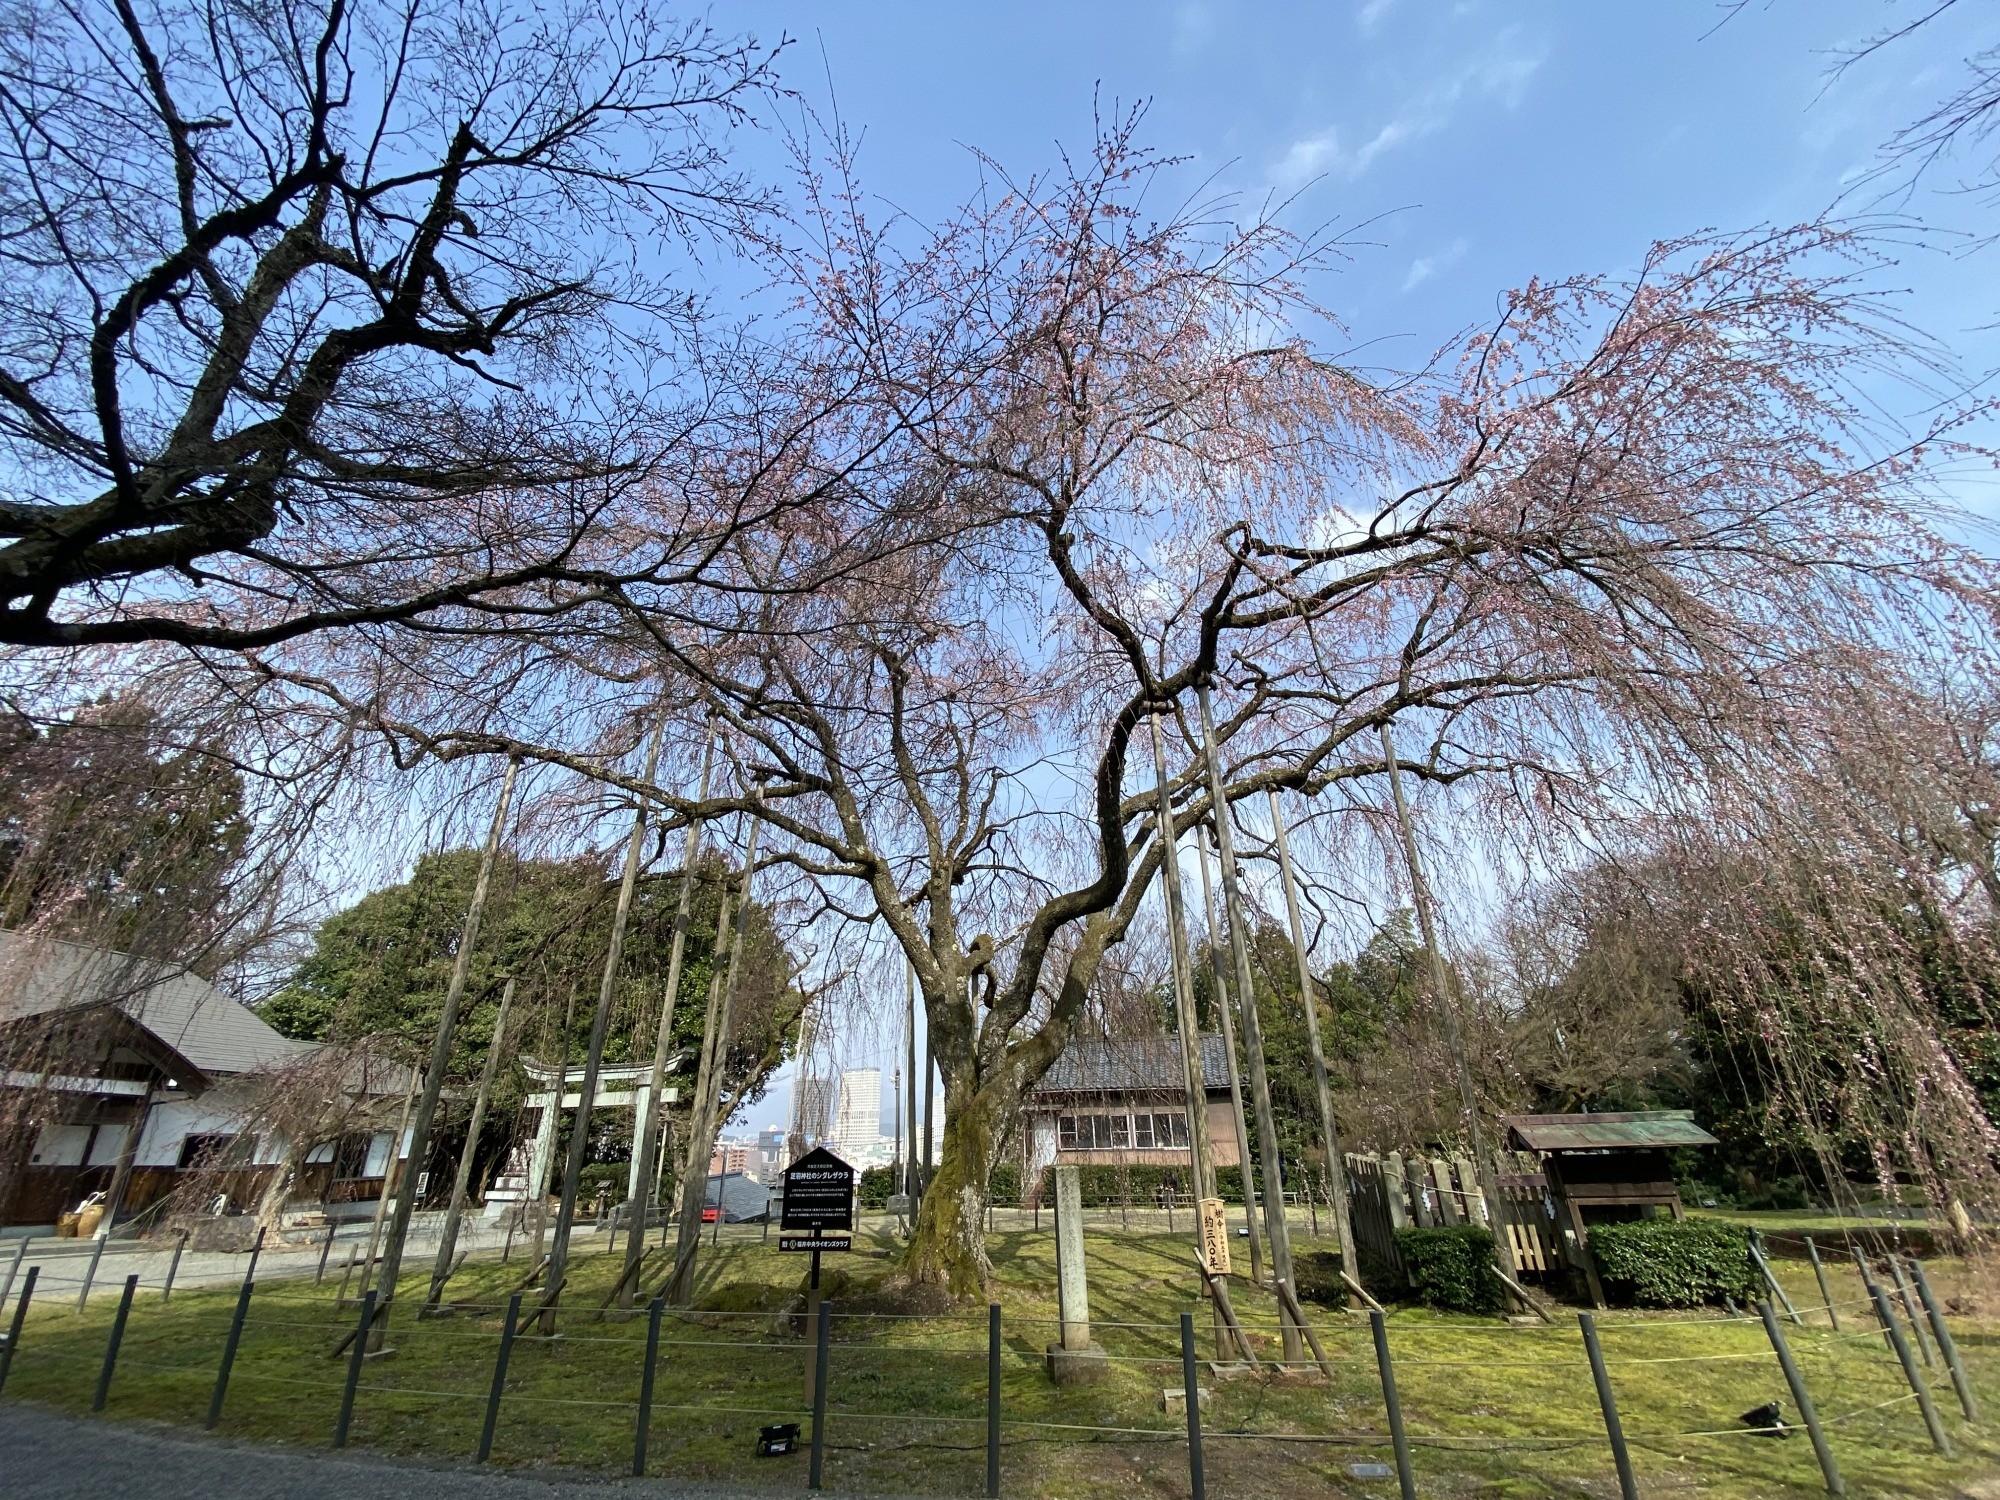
{"points": [[47, 1456]]}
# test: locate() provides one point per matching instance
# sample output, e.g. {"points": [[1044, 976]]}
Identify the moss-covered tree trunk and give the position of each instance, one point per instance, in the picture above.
{"points": [[947, 1248]]}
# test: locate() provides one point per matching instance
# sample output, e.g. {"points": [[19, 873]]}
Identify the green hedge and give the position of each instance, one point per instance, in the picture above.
{"points": [[1453, 1268], [1316, 1277], [1674, 1262], [1107, 1186], [874, 1186]]}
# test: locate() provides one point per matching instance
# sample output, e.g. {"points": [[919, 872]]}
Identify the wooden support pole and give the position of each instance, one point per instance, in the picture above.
{"points": [[1201, 1149], [593, 1057], [1447, 1010], [704, 1124], [1268, 1158], [425, 1116], [1343, 1226], [651, 1108], [1225, 1010], [461, 1184]]}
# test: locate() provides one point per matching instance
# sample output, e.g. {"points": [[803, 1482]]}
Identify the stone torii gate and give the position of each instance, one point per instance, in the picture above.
{"points": [[617, 1088]]}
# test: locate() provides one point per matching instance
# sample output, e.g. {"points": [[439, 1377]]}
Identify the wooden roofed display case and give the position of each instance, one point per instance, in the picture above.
{"points": [[1605, 1168]]}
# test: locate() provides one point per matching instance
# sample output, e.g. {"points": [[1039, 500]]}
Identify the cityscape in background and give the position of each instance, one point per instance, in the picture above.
{"points": [[852, 1116]]}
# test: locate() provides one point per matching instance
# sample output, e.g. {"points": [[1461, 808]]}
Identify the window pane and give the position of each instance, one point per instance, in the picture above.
{"points": [[1121, 1131], [1100, 1131], [1066, 1132], [1142, 1132]]}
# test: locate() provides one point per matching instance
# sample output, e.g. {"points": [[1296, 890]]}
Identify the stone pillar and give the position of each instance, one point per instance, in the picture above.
{"points": [[1075, 1360], [1073, 1290]]}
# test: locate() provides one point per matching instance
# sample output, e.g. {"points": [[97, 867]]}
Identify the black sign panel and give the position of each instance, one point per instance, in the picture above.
{"points": [[819, 1194], [815, 1242]]}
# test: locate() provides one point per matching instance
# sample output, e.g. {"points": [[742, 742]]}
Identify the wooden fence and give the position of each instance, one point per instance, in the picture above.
{"points": [[1393, 1192]]}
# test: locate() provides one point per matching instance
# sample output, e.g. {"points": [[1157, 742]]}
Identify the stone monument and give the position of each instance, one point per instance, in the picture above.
{"points": [[1075, 1360]]}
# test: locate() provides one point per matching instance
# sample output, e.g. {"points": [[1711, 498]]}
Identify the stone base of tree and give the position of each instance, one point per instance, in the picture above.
{"points": [[1085, 1366]]}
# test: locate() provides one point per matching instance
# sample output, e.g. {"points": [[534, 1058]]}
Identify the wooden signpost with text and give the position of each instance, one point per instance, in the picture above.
{"points": [[1214, 1236]]}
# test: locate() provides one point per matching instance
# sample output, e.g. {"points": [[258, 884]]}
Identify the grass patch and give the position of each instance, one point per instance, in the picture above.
{"points": [[1493, 1409]]}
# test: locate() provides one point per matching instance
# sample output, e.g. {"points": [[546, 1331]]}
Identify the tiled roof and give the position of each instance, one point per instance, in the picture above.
{"points": [[1121, 1064], [215, 1033]]}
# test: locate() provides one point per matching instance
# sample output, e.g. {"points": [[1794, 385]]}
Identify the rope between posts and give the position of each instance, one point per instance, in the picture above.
{"points": [[1862, 1411]]}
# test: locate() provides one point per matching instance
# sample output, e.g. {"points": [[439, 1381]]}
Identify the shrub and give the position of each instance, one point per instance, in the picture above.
{"points": [[1674, 1262], [1004, 1185], [874, 1186], [1453, 1267], [1316, 1277]]}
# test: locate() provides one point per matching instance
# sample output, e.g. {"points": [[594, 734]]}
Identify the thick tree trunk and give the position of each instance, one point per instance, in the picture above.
{"points": [[947, 1249]]}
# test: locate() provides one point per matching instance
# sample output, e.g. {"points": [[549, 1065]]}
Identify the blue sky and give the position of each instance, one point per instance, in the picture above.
{"points": [[1466, 146]]}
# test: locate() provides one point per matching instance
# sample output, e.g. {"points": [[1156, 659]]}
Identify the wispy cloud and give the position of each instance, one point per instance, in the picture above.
{"points": [[1371, 13], [1501, 74], [1193, 24], [1424, 267]]}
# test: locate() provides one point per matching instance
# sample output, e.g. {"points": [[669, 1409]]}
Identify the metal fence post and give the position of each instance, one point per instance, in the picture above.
{"points": [[90, 1271], [14, 1328], [1880, 1305], [1947, 1345], [646, 1386], [499, 1379], [111, 1344], [992, 1401], [228, 1355], [1398, 1439], [256, 1249], [1825, 1291], [355, 1355], [1802, 1399], [1912, 1371], [173, 1267], [1770, 1278], [1191, 1389], [1628, 1487], [13, 1268], [820, 1338], [1909, 1300]]}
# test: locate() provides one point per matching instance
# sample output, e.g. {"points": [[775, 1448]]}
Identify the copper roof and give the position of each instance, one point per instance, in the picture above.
{"points": [[1637, 1129]]}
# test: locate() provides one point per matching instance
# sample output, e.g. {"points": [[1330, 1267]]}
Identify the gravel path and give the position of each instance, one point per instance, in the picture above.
{"points": [[48, 1456]]}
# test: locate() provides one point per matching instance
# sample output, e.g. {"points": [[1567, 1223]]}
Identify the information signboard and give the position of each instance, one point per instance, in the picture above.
{"points": [[818, 1211]]}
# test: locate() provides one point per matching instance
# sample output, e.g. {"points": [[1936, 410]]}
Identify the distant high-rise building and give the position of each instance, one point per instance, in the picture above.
{"points": [[772, 1157], [857, 1128], [812, 1115]]}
